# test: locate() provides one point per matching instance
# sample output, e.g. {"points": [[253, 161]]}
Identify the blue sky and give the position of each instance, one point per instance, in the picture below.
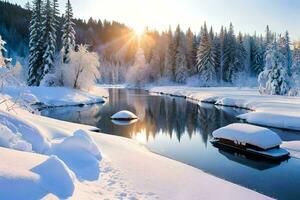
{"points": [[246, 15]]}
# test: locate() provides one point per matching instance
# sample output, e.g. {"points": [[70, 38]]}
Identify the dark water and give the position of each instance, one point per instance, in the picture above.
{"points": [[179, 129]]}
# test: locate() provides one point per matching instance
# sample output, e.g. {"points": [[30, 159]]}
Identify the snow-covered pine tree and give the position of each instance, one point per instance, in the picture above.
{"points": [[206, 58], [181, 70], [168, 62], [274, 79], [35, 44], [196, 43], [284, 44], [68, 37], [257, 62], [189, 50], [296, 65], [229, 55], [49, 36], [221, 52], [240, 56]]}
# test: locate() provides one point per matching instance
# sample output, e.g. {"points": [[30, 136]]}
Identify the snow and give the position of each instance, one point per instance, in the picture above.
{"points": [[69, 161], [250, 134], [267, 110], [124, 115], [293, 147], [57, 96]]}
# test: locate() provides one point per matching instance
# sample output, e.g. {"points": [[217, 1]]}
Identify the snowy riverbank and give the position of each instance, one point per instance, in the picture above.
{"points": [[56, 96], [273, 111], [88, 165]]}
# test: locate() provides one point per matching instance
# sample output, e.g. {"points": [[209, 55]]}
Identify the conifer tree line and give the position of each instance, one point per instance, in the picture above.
{"points": [[215, 58], [43, 38]]}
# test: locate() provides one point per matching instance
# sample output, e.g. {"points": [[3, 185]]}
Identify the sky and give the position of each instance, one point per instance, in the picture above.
{"points": [[246, 15]]}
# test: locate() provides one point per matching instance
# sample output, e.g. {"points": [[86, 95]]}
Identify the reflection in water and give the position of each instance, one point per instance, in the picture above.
{"points": [[181, 130]]}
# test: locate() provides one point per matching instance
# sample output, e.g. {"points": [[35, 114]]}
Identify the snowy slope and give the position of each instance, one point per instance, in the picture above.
{"points": [[273, 111]]}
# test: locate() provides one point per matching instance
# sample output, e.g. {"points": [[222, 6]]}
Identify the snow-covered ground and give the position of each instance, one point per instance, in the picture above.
{"points": [[267, 110], [57, 96], [50, 159]]}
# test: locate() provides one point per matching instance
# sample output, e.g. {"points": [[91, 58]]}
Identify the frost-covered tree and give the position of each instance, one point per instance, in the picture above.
{"points": [[154, 65], [137, 74], [83, 69], [221, 53], [206, 58], [274, 79], [35, 44], [49, 36], [168, 57], [68, 37]]}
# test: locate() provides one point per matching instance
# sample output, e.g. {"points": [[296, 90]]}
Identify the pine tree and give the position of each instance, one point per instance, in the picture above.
{"points": [[181, 70], [168, 62], [206, 57], [296, 65], [190, 49], [275, 73], [68, 37], [229, 55], [49, 36], [35, 44], [241, 55], [257, 62], [286, 50]]}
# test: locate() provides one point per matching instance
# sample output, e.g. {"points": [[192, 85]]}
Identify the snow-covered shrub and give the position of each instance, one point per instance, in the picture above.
{"points": [[137, 73], [274, 79], [82, 70]]}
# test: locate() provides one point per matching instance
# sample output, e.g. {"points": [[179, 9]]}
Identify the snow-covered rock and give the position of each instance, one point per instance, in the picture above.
{"points": [[124, 115], [250, 134]]}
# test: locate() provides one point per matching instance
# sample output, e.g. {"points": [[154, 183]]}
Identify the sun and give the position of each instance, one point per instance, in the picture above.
{"points": [[139, 30]]}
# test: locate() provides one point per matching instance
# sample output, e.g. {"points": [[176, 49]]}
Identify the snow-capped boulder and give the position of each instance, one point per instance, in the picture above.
{"points": [[250, 134], [124, 115]]}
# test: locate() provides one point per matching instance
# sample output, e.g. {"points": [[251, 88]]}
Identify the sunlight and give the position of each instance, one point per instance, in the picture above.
{"points": [[139, 30], [140, 137]]}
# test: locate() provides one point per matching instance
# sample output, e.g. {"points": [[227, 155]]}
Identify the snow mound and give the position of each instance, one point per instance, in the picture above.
{"points": [[22, 135], [81, 154], [124, 115], [10, 140], [56, 177], [245, 133]]}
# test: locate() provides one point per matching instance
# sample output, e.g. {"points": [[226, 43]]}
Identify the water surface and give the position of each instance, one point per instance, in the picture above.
{"points": [[181, 130]]}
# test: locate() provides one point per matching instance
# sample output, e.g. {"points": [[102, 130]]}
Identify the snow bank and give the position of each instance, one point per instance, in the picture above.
{"points": [[19, 134], [55, 96], [268, 110], [250, 134]]}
